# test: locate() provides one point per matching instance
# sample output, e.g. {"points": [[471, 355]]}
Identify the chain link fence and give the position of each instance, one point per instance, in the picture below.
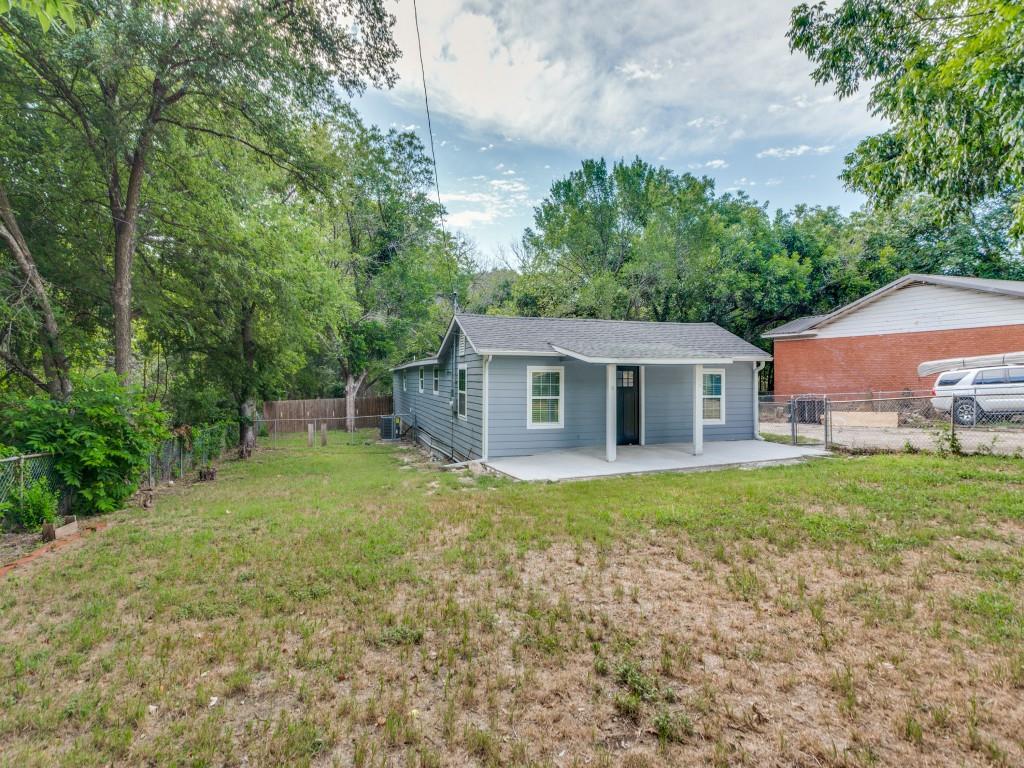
{"points": [[969, 420], [20, 472], [173, 459]]}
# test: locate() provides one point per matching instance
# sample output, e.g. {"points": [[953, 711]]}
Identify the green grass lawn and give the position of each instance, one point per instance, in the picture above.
{"points": [[348, 605]]}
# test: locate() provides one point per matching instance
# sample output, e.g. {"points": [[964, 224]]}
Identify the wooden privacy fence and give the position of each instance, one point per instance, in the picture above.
{"points": [[293, 415]]}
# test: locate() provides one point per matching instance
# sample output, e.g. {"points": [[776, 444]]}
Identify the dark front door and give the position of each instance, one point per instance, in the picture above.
{"points": [[627, 381]]}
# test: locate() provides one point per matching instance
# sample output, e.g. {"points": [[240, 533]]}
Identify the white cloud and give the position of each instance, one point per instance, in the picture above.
{"points": [[706, 122], [496, 199], [715, 164], [546, 72], [784, 153]]}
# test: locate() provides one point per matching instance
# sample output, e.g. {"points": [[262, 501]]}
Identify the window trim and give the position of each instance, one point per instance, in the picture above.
{"points": [[462, 395], [560, 370], [720, 372], [421, 379], [437, 380]]}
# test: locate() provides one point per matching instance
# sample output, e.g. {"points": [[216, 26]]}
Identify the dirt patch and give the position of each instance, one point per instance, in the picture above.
{"points": [[754, 659], [32, 547], [14, 545]]}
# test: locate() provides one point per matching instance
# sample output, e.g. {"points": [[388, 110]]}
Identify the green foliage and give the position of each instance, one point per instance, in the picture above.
{"points": [[46, 12], [636, 241], [102, 437], [945, 75], [31, 507]]}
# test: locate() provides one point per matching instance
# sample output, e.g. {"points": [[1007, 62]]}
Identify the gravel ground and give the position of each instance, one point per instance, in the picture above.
{"points": [[978, 440]]}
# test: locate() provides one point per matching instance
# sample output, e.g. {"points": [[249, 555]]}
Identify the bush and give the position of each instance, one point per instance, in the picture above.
{"points": [[29, 509], [102, 437]]}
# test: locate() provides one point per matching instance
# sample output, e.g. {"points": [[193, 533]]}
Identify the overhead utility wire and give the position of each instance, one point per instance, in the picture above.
{"points": [[430, 134]]}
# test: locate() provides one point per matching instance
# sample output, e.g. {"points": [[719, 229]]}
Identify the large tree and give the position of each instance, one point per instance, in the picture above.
{"points": [[946, 75], [396, 265], [129, 73], [647, 243]]}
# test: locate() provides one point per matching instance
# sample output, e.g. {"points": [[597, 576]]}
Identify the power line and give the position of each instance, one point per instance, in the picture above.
{"points": [[430, 134]]}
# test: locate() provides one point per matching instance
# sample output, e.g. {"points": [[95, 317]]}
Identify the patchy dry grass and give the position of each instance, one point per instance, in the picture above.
{"points": [[345, 605]]}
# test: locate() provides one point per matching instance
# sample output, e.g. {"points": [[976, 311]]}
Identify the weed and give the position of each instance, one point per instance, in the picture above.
{"points": [[911, 729], [628, 705], [672, 726], [629, 674], [401, 634], [842, 684], [482, 744]]}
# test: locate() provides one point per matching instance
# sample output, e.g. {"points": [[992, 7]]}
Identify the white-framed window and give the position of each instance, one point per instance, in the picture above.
{"points": [[714, 396], [462, 390], [421, 380], [545, 397], [437, 380]]}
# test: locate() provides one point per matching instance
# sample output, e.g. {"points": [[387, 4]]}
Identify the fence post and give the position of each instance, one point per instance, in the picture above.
{"points": [[309, 434], [827, 419], [323, 433], [21, 476], [792, 419]]}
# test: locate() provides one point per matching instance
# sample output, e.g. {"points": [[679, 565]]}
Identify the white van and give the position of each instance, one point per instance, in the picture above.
{"points": [[980, 394]]}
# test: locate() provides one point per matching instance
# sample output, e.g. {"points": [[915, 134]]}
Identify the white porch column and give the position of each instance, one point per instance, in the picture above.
{"points": [[698, 410], [609, 413]]}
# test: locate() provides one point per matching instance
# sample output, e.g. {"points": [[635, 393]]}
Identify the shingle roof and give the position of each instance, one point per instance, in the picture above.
{"points": [[987, 285], [605, 339], [794, 326]]}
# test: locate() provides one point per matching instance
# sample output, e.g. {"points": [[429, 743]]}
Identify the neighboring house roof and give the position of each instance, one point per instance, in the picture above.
{"points": [[806, 325], [599, 341]]}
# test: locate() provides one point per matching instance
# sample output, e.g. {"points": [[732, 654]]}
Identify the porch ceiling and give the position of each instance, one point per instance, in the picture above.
{"points": [[578, 463]]}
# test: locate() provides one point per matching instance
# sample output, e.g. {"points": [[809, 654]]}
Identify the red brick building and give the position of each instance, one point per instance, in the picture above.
{"points": [[876, 343]]}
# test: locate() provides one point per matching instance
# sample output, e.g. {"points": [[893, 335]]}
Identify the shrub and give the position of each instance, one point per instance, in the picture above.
{"points": [[30, 508], [102, 437]]}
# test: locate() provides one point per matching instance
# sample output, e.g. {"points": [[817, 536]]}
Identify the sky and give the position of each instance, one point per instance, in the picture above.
{"points": [[521, 91]]}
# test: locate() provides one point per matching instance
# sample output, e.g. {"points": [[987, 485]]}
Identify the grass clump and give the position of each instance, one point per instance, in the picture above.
{"points": [[672, 727], [401, 634]]}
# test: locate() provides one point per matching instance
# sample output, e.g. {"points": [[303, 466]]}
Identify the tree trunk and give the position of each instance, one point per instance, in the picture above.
{"points": [[121, 299], [125, 213], [247, 408], [55, 363], [246, 429], [352, 385]]}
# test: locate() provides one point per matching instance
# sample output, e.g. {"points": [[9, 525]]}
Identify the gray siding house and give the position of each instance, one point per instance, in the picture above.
{"points": [[516, 386]]}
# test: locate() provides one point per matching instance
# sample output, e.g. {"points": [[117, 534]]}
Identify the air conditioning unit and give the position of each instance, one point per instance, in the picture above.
{"points": [[390, 427]]}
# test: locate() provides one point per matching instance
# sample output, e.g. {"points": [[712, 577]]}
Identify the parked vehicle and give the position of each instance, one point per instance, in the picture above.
{"points": [[980, 394]]}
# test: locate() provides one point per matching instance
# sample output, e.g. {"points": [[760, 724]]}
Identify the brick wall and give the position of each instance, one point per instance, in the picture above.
{"points": [[881, 363]]}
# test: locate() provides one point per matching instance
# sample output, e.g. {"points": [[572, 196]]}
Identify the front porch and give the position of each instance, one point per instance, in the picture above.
{"points": [[592, 461]]}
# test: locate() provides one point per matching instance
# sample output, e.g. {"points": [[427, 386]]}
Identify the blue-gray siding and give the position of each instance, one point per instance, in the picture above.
{"points": [[433, 414], [668, 405]]}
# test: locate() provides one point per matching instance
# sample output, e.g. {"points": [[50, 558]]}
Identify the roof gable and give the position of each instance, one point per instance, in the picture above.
{"points": [[808, 325]]}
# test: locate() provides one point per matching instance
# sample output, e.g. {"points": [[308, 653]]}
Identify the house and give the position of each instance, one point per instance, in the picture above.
{"points": [[521, 386], [875, 343]]}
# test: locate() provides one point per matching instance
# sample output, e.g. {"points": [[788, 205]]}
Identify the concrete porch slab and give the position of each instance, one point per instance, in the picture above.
{"points": [[580, 463]]}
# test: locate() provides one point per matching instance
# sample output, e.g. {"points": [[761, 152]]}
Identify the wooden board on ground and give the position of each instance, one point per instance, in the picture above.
{"points": [[864, 419]]}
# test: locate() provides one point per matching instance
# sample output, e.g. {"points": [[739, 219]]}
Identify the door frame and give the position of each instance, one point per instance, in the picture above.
{"points": [[638, 385]]}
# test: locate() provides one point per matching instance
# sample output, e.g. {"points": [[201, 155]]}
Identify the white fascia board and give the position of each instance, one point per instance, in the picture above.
{"points": [[787, 336], [448, 333], [416, 364], [644, 360]]}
